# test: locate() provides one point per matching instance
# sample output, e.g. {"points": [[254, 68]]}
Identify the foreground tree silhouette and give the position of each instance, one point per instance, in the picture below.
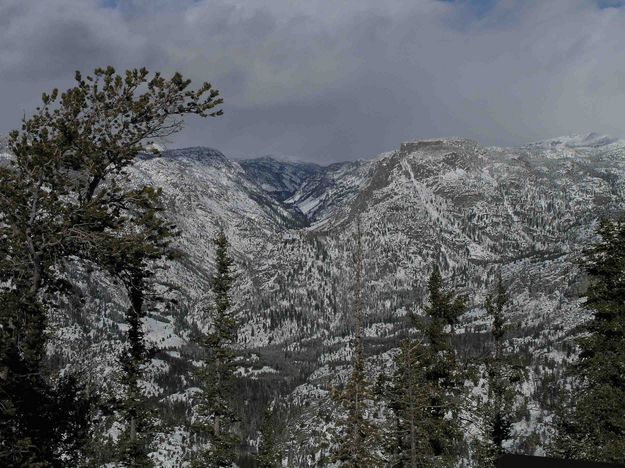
{"points": [[130, 260], [594, 426], [425, 389], [217, 418], [358, 438], [501, 375], [64, 200]]}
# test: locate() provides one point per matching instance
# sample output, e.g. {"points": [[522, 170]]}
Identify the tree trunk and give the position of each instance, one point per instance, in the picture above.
{"points": [[133, 430], [413, 438], [216, 426]]}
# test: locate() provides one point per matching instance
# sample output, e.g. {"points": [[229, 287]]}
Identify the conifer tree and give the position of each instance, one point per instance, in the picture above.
{"points": [[134, 444], [425, 390], [358, 438], [501, 375], [217, 417], [63, 200], [593, 428], [269, 454], [408, 400]]}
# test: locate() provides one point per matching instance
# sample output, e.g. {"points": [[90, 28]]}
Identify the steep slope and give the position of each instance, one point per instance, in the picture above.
{"points": [[526, 212], [281, 179], [4, 147], [313, 191]]}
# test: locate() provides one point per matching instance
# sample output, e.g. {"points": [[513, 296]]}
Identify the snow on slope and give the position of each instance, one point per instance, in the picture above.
{"points": [[526, 212]]}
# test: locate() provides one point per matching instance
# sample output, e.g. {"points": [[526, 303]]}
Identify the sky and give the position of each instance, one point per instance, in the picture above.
{"points": [[330, 80]]}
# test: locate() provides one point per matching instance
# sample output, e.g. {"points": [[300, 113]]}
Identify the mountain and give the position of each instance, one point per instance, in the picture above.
{"points": [[526, 212], [281, 179], [307, 189], [4, 146]]}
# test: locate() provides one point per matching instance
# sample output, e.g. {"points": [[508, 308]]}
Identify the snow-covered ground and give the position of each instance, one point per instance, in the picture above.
{"points": [[526, 212]]}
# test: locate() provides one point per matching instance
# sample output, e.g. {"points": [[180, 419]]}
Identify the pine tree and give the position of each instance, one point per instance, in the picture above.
{"points": [[63, 201], [594, 427], [134, 443], [131, 258], [75, 430], [358, 438], [501, 374], [425, 390], [217, 418], [269, 454], [408, 400]]}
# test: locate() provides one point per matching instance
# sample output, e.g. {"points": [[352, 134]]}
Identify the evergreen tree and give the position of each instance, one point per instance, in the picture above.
{"points": [[425, 390], [407, 397], [593, 428], [501, 376], [269, 454], [217, 418], [358, 438], [77, 403], [134, 443], [131, 257], [63, 201]]}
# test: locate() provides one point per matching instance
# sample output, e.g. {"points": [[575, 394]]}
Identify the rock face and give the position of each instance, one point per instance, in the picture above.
{"points": [[4, 145], [526, 212]]}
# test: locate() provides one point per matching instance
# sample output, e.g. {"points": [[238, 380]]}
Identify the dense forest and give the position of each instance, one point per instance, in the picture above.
{"points": [[69, 209]]}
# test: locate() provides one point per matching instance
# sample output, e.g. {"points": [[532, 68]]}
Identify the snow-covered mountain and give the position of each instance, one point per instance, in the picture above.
{"points": [[4, 146], [527, 212]]}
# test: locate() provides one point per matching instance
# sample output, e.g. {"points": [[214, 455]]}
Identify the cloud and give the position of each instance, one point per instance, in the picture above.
{"points": [[327, 81]]}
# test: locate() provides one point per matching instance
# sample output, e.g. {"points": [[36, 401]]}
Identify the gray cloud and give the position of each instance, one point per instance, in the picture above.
{"points": [[326, 81]]}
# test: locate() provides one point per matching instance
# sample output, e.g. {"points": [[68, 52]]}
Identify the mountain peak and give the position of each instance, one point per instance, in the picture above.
{"points": [[576, 140], [197, 153], [271, 159], [436, 144]]}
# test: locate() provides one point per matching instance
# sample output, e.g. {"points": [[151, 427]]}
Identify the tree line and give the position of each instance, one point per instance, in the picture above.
{"points": [[65, 201]]}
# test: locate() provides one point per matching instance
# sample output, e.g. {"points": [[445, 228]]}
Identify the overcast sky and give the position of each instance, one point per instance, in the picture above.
{"points": [[339, 79]]}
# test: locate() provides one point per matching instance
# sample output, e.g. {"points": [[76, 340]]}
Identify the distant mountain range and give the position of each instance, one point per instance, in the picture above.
{"points": [[526, 212]]}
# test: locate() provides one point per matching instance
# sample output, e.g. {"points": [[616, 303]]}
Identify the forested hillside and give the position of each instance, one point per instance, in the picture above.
{"points": [[338, 274]]}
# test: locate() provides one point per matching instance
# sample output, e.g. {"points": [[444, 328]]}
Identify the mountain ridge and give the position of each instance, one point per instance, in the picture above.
{"points": [[475, 211]]}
